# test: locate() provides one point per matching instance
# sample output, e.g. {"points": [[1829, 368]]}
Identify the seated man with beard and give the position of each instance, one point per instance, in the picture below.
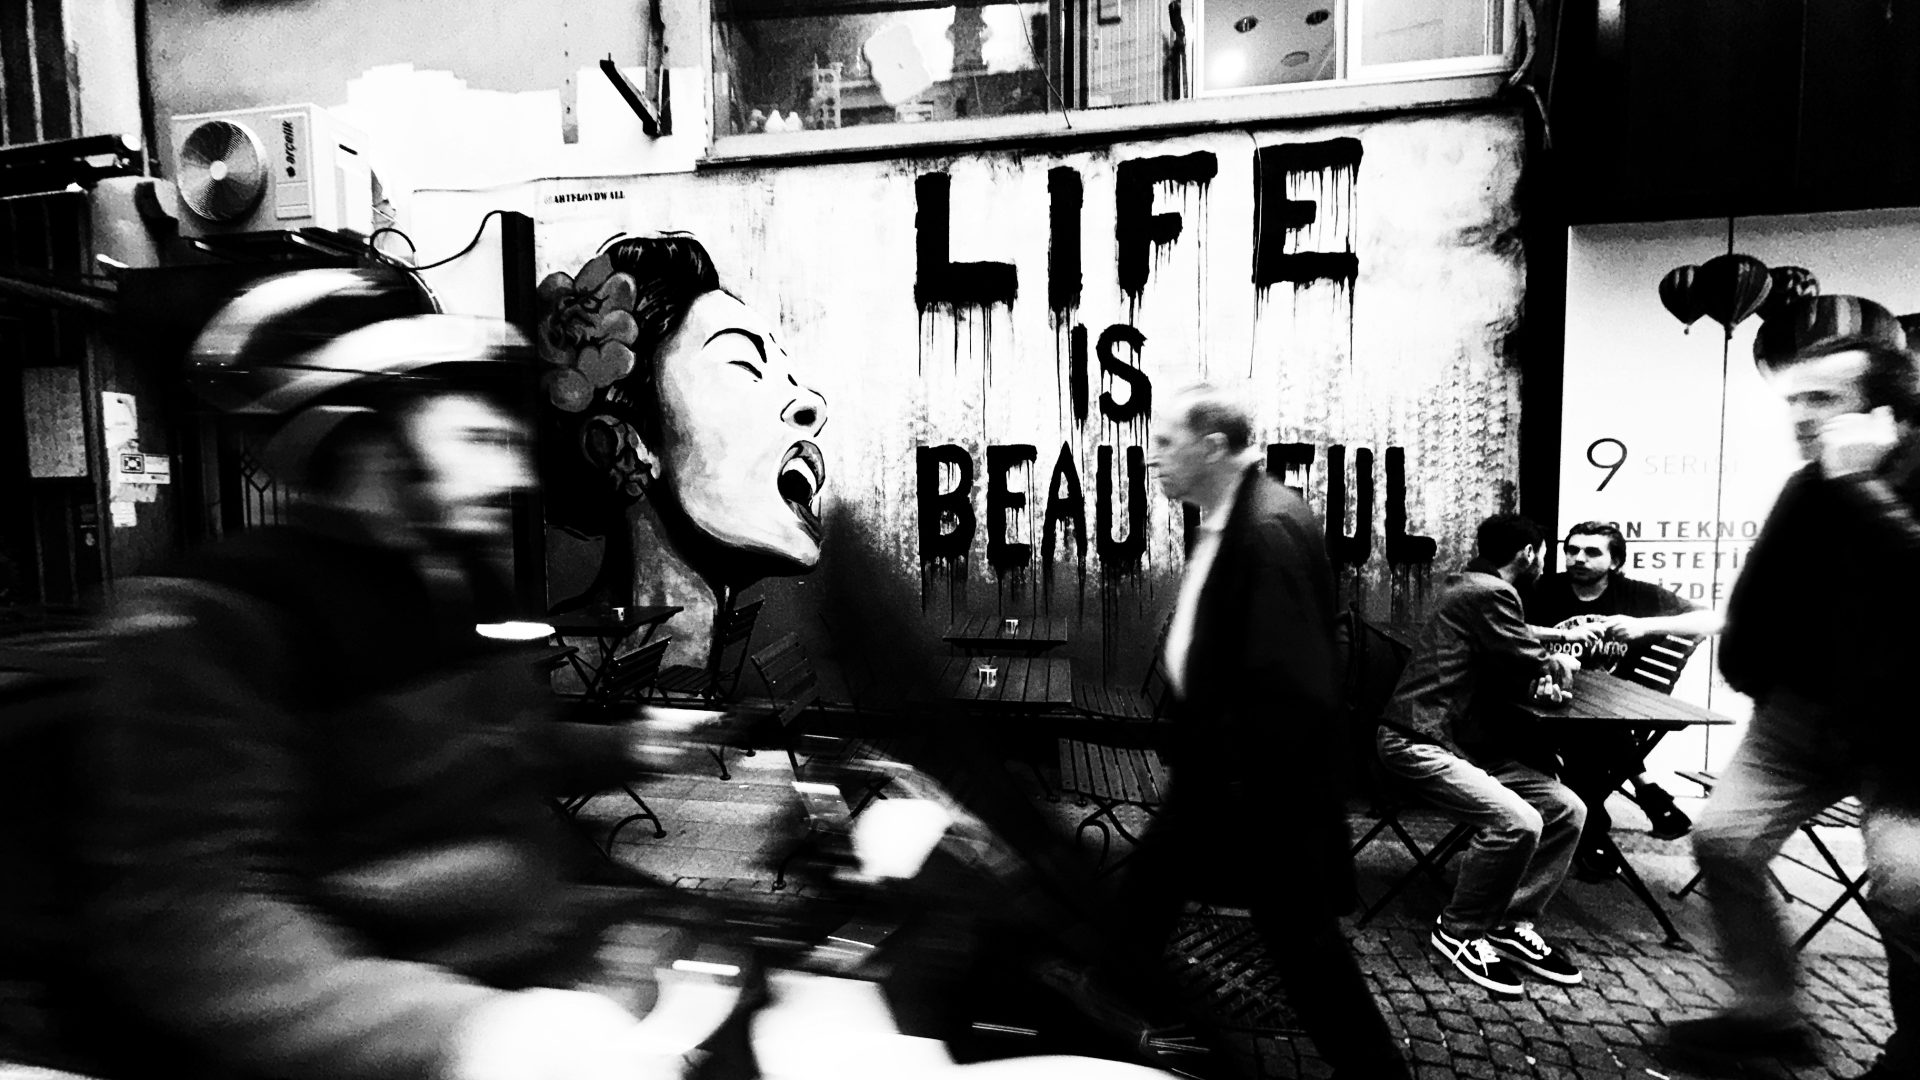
{"points": [[1446, 734]]}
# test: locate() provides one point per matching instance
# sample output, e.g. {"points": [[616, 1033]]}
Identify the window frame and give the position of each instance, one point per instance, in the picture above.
{"points": [[1392, 87]]}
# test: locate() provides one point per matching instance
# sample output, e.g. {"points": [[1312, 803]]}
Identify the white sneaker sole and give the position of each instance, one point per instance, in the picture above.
{"points": [[1514, 989]]}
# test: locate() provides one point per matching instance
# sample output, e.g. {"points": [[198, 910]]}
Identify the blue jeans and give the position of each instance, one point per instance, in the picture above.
{"points": [[1526, 829], [1788, 767]]}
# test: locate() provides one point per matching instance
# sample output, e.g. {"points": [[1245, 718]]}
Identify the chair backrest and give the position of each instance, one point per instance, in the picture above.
{"points": [[1657, 661], [1154, 687], [730, 638], [788, 672], [632, 674], [1371, 660]]}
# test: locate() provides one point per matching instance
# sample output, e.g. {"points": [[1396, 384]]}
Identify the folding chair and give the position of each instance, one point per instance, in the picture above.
{"points": [[794, 688], [719, 678], [1111, 778], [1127, 713], [1657, 661], [628, 677], [1844, 814], [1372, 661]]}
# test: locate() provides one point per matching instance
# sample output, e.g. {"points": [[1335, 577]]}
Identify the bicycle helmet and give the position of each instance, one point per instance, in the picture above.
{"points": [[322, 347]]}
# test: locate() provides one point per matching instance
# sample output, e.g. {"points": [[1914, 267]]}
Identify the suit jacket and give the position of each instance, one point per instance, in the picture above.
{"points": [[1256, 732]]}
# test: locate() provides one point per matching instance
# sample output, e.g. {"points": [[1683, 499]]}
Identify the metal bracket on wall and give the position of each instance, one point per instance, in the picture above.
{"points": [[655, 122]]}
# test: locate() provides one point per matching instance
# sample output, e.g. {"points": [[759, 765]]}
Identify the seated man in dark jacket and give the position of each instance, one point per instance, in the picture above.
{"points": [[1595, 612], [1448, 735], [317, 845]]}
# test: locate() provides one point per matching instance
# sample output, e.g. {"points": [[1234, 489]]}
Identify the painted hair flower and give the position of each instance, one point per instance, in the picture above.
{"points": [[587, 334]]}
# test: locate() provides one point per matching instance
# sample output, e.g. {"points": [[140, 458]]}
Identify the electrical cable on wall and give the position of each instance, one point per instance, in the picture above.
{"points": [[471, 244]]}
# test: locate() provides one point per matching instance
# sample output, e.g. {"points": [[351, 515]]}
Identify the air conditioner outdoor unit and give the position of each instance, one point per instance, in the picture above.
{"points": [[256, 170]]}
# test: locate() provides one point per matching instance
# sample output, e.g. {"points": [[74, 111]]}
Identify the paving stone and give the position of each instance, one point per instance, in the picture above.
{"points": [[1593, 1055], [1424, 1027], [1405, 1002], [1467, 1047], [1581, 1035], [1509, 1060], [1430, 1053], [1458, 1021], [1470, 1067], [1637, 1060], [1550, 1053], [1616, 1034], [1502, 1032], [1538, 1031]]}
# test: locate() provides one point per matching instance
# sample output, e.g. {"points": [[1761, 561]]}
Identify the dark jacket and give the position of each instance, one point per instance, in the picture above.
{"points": [[1474, 658], [316, 839], [1257, 726], [1825, 607]]}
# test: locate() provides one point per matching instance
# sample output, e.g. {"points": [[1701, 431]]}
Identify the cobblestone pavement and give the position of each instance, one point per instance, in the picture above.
{"points": [[1609, 1027]]}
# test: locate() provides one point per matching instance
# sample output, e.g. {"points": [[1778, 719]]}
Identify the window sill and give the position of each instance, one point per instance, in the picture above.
{"points": [[1305, 101]]}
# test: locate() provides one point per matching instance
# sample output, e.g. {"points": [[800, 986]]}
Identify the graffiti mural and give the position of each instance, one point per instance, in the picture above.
{"points": [[677, 432], [994, 329]]}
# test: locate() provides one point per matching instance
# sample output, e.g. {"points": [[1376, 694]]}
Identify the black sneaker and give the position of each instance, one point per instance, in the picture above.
{"points": [[1669, 821], [1477, 960], [1523, 945]]}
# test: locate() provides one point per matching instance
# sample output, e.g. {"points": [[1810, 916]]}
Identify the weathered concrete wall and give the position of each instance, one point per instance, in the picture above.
{"points": [[1013, 315]]}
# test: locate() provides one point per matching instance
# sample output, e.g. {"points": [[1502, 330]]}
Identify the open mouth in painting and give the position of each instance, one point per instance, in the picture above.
{"points": [[803, 474]]}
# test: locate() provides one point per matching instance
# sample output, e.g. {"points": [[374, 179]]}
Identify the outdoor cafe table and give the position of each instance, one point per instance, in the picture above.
{"points": [[987, 635], [1600, 699], [610, 628], [1024, 683]]}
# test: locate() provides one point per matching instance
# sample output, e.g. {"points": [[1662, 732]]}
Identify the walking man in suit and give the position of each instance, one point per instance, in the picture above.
{"points": [[1249, 655]]}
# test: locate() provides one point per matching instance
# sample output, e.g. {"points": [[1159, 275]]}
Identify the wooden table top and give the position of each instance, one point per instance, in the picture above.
{"points": [[1023, 681], [606, 624], [1599, 697], [985, 631]]}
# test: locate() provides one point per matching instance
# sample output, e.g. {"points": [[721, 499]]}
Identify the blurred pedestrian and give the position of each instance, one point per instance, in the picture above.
{"points": [[316, 845], [1450, 735], [1249, 655], [1819, 635]]}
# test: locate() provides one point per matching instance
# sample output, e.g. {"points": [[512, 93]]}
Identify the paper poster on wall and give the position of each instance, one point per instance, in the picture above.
{"points": [[1670, 431], [56, 427], [120, 431]]}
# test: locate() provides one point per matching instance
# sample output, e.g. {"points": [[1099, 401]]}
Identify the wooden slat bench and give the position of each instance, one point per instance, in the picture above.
{"points": [[1109, 778], [1844, 814]]}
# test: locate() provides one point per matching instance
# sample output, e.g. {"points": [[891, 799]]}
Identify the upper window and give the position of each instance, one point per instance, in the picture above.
{"points": [[793, 65]]}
